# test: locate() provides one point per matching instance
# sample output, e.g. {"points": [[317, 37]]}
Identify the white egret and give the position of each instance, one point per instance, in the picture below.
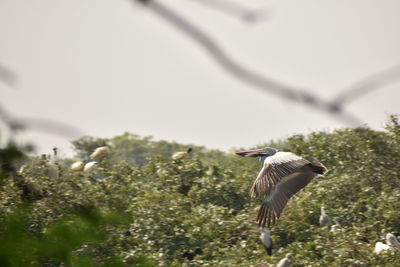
{"points": [[90, 166], [266, 240], [100, 153], [22, 169], [337, 226], [182, 154], [286, 262], [391, 240], [380, 247], [52, 171], [283, 174], [77, 166], [324, 218]]}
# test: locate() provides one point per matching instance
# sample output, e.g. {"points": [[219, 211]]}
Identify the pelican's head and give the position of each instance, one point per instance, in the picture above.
{"points": [[289, 256], [261, 153]]}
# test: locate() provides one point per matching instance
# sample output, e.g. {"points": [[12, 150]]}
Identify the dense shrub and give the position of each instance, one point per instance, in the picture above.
{"points": [[140, 208]]}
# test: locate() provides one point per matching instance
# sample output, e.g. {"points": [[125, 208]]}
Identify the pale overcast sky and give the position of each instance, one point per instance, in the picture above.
{"points": [[109, 66]]}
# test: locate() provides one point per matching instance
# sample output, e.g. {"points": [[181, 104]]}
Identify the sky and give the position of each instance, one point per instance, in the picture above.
{"points": [[112, 66]]}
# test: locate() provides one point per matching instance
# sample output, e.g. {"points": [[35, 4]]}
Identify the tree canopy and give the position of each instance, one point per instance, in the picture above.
{"points": [[141, 208]]}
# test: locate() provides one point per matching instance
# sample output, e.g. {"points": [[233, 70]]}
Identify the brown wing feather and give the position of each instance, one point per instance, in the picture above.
{"points": [[274, 203], [272, 173]]}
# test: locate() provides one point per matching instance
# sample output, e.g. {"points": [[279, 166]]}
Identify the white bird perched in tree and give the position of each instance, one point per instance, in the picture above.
{"points": [[283, 174], [380, 247], [77, 166], [182, 154], [286, 262], [90, 166], [22, 169], [337, 226], [52, 170], [54, 157], [324, 218], [266, 240], [392, 240], [100, 153]]}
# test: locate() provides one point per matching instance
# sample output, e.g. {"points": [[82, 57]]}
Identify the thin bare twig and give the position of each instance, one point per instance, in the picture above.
{"points": [[8, 76], [368, 84], [51, 127], [238, 71], [237, 10], [43, 125]]}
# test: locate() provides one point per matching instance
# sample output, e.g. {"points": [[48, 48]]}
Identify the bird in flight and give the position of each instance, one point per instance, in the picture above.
{"points": [[283, 174]]}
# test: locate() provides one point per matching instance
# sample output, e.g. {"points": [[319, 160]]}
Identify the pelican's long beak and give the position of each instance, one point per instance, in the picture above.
{"points": [[252, 153]]}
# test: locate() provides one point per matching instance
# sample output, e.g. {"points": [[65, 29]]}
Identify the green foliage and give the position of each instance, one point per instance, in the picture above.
{"points": [[57, 243], [140, 208], [137, 150]]}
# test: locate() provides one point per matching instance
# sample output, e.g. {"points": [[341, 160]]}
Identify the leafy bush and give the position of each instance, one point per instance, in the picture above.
{"points": [[140, 208]]}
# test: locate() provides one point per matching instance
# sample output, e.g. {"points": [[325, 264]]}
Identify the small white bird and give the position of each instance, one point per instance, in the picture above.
{"points": [[182, 154], [380, 247], [392, 240], [77, 166], [90, 166], [54, 157], [100, 153], [22, 169], [286, 262], [337, 226], [324, 218], [266, 240]]}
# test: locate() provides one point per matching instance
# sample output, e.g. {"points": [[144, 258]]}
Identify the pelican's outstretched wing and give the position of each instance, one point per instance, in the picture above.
{"points": [[274, 170], [274, 203]]}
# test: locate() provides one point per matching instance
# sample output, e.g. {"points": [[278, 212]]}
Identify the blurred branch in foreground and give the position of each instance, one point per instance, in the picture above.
{"points": [[262, 82], [368, 84], [43, 125], [237, 10], [7, 76]]}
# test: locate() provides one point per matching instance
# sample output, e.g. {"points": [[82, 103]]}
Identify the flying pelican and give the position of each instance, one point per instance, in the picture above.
{"points": [[90, 166], [77, 166], [182, 154], [337, 226], [283, 174], [324, 218], [286, 262], [100, 153], [266, 240], [392, 240]]}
